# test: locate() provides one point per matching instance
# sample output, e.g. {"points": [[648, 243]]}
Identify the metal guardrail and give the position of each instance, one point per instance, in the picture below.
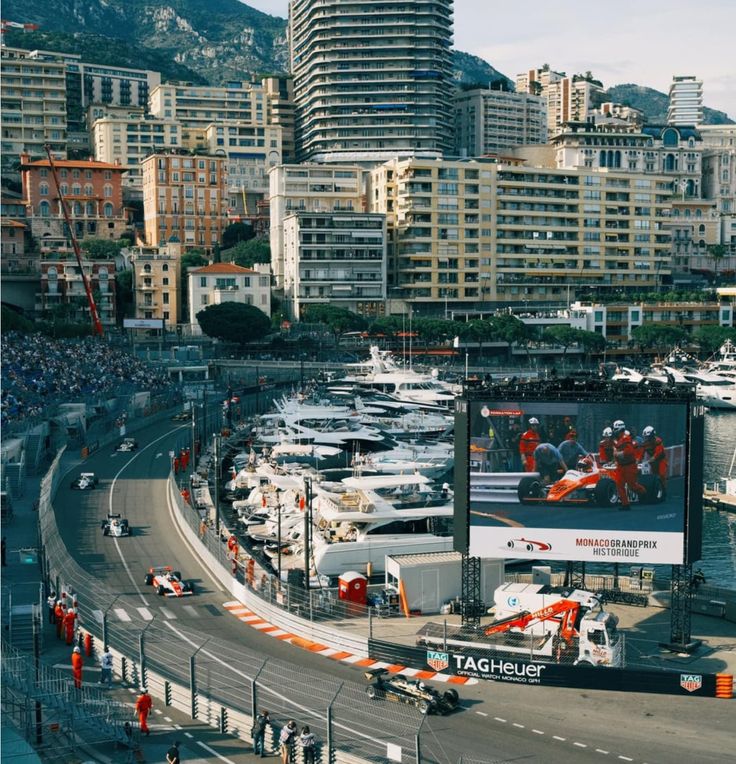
{"points": [[223, 683]]}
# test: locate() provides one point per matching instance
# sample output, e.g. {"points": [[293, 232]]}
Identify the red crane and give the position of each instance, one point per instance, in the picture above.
{"points": [[563, 611], [96, 323]]}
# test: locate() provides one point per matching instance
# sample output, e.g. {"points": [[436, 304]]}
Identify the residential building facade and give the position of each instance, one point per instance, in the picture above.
{"points": [[719, 166], [686, 101], [309, 188], [371, 80], [156, 276], [337, 258], [61, 287], [280, 95], [483, 234], [33, 94], [92, 190], [218, 283], [569, 99], [185, 199], [127, 137], [492, 121], [13, 247]]}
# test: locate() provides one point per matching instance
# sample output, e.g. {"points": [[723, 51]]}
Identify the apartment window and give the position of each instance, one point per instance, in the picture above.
{"points": [[204, 299], [165, 297], [43, 189], [203, 281], [108, 190]]}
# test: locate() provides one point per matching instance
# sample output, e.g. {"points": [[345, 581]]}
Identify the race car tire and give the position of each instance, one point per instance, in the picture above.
{"points": [[149, 579], [189, 587], [105, 531], [423, 706], [606, 493], [529, 488], [654, 491], [371, 692], [451, 697], [160, 590]]}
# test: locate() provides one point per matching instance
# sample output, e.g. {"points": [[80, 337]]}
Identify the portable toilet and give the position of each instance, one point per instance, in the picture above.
{"points": [[353, 587]]}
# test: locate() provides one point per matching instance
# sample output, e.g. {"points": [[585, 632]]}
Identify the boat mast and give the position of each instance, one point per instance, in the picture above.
{"points": [[96, 323]]}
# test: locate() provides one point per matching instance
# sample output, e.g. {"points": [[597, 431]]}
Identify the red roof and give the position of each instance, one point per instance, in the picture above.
{"points": [[77, 164], [222, 268]]}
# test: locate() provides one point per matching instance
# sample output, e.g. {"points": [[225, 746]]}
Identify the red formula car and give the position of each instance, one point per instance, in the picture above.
{"points": [[589, 484], [168, 582]]}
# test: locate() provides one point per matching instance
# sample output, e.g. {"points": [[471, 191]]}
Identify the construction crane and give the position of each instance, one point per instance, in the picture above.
{"points": [[565, 612], [96, 323], [5, 25]]}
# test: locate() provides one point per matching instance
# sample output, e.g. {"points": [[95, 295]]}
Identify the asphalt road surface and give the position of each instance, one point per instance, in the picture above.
{"points": [[496, 723]]}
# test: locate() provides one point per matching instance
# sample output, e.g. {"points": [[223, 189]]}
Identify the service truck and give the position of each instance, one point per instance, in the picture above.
{"points": [[540, 623]]}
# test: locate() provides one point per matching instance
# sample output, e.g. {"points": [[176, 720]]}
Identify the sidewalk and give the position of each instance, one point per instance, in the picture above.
{"points": [[21, 581]]}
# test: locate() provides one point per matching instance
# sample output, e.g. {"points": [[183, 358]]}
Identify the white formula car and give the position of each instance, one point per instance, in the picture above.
{"points": [[115, 525], [85, 482], [168, 582], [127, 445]]}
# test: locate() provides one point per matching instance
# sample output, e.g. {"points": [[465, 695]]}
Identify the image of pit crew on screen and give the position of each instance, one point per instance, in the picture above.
{"points": [[599, 466]]}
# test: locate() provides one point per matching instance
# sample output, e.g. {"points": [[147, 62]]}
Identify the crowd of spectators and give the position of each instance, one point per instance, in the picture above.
{"points": [[39, 372]]}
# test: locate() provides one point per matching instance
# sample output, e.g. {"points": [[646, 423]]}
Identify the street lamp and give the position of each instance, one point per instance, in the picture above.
{"points": [[278, 549], [307, 528]]}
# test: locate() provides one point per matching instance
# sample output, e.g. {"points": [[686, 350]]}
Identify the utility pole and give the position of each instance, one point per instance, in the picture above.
{"points": [[307, 529], [217, 483]]}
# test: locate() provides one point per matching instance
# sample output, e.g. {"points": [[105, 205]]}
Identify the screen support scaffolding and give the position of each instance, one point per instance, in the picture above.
{"points": [[575, 574], [471, 591], [681, 611]]}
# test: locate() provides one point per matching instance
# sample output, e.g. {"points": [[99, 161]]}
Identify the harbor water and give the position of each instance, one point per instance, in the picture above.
{"points": [[719, 528]]}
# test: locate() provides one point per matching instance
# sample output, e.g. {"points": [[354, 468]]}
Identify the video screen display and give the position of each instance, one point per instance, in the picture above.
{"points": [[592, 481]]}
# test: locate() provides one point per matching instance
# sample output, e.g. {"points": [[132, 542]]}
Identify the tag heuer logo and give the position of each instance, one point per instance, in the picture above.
{"points": [[438, 661], [691, 682]]}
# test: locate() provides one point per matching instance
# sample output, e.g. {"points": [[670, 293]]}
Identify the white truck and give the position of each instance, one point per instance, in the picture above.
{"points": [[541, 623]]}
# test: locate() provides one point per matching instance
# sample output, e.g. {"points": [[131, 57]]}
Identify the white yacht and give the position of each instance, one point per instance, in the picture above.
{"points": [[378, 516], [382, 373]]}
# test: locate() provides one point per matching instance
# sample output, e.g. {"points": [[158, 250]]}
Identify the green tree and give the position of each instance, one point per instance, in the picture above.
{"points": [[591, 342], [236, 232], [710, 338], [658, 336], [564, 336], [339, 320], [716, 252], [103, 249], [124, 292], [478, 330], [11, 320], [511, 330], [234, 322], [248, 253]]}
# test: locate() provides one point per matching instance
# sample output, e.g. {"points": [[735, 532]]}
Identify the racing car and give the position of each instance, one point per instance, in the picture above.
{"points": [[168, 582], [182, 416], [403, 690], [85, 482], [588, 484], [127, 445], [115, 525]]}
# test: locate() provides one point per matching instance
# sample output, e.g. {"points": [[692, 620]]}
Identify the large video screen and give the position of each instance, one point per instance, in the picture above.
{"points": [[592, 481]]}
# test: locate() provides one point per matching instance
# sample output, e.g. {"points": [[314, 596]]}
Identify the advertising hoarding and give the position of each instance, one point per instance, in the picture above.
{"points": [[143, 323], [544, 483]]}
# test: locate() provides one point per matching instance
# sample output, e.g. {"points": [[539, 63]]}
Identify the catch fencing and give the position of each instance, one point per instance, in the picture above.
{"points": [[221, 683]]}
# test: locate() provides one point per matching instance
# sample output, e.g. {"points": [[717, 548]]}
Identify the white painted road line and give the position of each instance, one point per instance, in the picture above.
{"points": [[214, 752], [538, 732], [580, 745], [249, 618], [146, 614], [557, 737], [121, 614], [600, 750], [520, 726], [166, 613], [625, 758], [499, 719], [168, 719], [481, 713], [191, 610], [261, 626], [188, 734]]}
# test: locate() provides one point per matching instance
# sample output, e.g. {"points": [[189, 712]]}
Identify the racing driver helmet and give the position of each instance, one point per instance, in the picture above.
{"points": [[607, 433], [585, 464], [533, 420], [648, 432], [618, 427]]}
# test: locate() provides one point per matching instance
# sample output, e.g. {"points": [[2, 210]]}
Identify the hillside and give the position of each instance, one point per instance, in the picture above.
{"points": [[195, 40], [654, 104]]}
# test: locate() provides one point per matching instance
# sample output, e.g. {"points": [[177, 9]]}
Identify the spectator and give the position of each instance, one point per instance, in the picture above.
{"points": [[307, 743], [286, 741], [259, 733], [172, 755], [106, 668]]}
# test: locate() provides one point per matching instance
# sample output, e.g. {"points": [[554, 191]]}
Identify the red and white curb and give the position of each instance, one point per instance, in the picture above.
{"points": [[252, 619]]}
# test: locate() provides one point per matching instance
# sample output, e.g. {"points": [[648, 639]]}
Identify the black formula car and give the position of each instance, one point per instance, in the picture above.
{"points": [[404, 690], [85, 482], [115, 525]]}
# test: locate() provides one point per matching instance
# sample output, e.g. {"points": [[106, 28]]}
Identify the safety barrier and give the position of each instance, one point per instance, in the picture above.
{"points": [[724, 686], [219, 683]]}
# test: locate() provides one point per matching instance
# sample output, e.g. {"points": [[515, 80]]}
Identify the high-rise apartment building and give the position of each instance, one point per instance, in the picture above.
{"points": [[156, 277], [491, 121], [33, 115], [686, 101], [372, 80], [185, 200], [309, 188], [569, 99], [478, 234], [280, 95]]}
